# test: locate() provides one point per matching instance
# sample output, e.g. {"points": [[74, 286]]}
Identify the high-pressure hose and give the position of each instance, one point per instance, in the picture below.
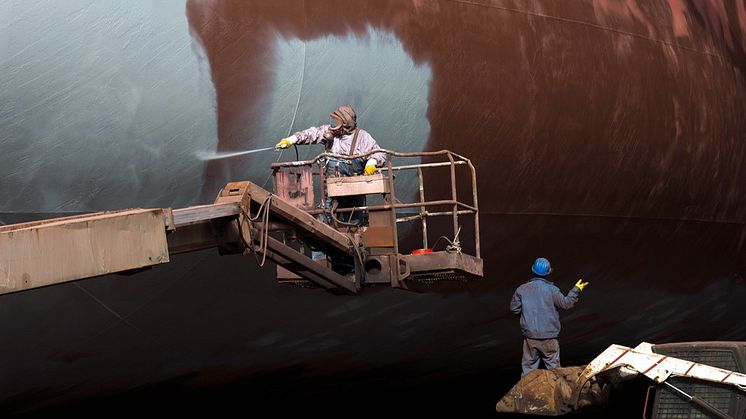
{"points": [[262, 213], [454, 246]]}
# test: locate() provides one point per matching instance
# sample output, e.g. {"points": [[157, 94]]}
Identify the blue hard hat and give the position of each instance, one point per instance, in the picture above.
{"points": [[541, 267]]}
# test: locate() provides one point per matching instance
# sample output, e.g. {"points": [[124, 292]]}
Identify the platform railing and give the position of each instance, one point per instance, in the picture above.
{"points": [[456, 210]]}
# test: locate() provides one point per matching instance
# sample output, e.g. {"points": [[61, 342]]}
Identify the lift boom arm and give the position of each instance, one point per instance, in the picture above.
{"points": [[58, 250]]}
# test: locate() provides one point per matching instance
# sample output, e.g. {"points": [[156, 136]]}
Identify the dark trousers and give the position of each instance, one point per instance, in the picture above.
{"points": [[536, 350], [343, 264], [335, 167]]}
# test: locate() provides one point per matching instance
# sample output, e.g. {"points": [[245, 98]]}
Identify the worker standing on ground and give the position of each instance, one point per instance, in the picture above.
{"points": [[536, 302], [342, 137]]}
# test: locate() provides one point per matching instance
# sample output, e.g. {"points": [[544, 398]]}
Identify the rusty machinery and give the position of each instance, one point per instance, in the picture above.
{"points": [[683, 380], [285, 227], [379, 255]]}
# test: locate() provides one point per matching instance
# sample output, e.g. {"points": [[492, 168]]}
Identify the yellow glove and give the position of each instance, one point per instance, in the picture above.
{"points": [[370, 167], [287, 142], [580, 284]]}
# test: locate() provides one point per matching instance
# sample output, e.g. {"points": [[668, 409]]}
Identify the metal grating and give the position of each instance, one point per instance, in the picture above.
{"points": [[302, 283], [720, 358], [430, 278], [671, 406]]}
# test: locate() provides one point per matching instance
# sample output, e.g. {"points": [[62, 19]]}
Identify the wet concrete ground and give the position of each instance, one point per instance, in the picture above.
{"points": [[383, 393]]}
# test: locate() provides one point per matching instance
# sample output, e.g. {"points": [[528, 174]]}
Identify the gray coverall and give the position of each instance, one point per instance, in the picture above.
{"points": [[341, 145], [537, 301]]}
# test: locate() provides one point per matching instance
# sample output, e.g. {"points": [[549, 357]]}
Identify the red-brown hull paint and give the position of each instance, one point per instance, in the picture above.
{"points": [[608, 137]]}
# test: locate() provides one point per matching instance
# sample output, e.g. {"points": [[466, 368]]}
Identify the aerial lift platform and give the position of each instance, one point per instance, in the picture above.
{"points": [[284, 226]]}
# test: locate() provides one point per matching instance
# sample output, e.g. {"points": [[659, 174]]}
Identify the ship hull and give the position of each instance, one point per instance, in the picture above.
{"points": [[607, 137]]}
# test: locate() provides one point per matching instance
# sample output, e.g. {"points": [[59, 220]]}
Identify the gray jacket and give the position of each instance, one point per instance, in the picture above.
{"points": [[341, 145], [537, 302]]}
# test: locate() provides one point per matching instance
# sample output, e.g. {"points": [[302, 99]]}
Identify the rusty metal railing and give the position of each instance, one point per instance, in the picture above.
{"points": [[450, 159]]}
